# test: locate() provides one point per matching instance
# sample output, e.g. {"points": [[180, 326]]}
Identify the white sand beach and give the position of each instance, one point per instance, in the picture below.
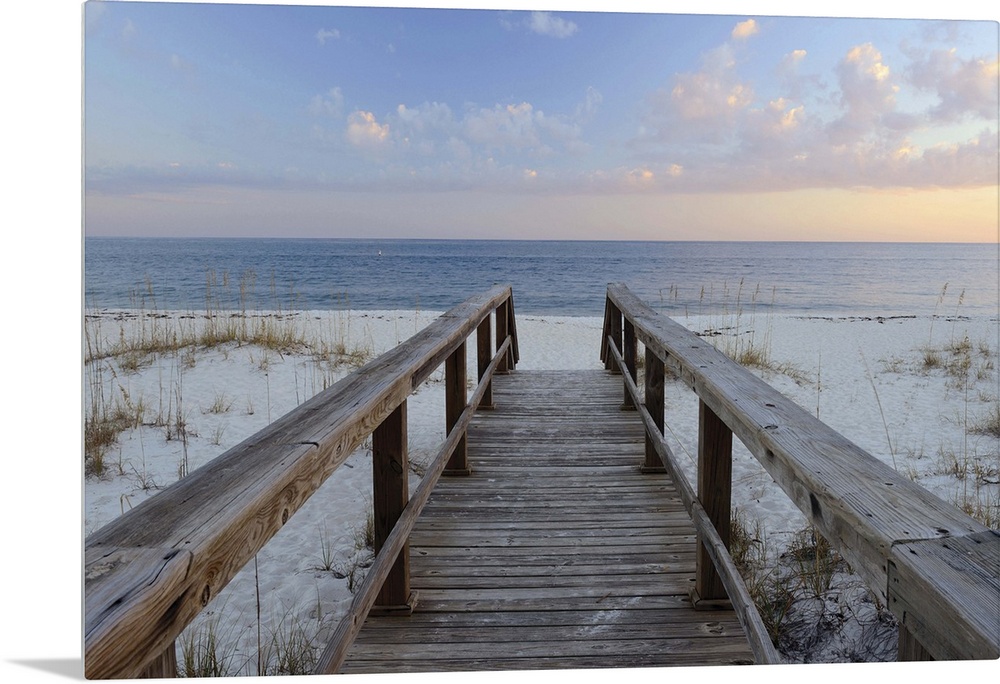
{"points": [[918, 393]]}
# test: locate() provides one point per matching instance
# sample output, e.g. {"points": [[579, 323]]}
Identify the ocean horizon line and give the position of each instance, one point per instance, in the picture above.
{"points": [[304, 238]]}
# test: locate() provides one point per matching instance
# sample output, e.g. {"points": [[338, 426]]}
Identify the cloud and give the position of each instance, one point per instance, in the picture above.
{"points": [[509, 126], [701, 105], [331, 104], [972, 163], [365, 132], [793, 59], [640, 177], [428, 117], [707, 130], [178, 63], [591, 102], [867, 94], [519, 127], [547, 24], [965, 88], [324, 34], [426, 129], [501, 130], [745, 29]]}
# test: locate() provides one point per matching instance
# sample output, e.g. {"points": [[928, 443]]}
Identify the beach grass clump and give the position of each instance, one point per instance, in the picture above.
{"points": [[99, 434], [931, 359], [119, 344], [221, 403], [289, 651], [982, 505], [206, 652], [364, 534], [815, 561], [328, 561], [808, 598], [110, 411], [989, 423], [287, 646], [770, 591], [735, 329]]}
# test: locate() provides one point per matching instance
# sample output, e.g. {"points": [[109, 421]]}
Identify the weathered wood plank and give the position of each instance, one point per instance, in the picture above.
{"points": [[542, 631], [428, 568], [613, 650], [138, 583], [660, 582], [456, 398], [390, 493], [654, 401], [635, 615], [530, 541], [333, 655], [224, 512], [573, 552], [924, 586], [472, 542], [502, 327], [669, 658], [484, 354], [861, 505], [715, 485]]}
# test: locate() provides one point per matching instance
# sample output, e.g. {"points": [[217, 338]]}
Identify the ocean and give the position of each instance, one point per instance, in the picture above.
{"points": [[549, 277]]}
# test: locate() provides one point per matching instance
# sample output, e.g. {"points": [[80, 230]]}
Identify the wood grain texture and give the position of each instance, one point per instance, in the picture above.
{"points": [[484, 353], [456, 399], [654, 402], [715, 492], [390, 494], [924, 587], [858, 503], [556, 552], [217, 518], [333, 655], [709, 540]]}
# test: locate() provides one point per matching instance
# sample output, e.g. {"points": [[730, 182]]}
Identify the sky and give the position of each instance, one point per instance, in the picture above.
{"points": [[262, 120]]}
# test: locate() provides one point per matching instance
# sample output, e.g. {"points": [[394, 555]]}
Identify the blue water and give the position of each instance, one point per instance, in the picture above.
{"points": [[549, 277]]}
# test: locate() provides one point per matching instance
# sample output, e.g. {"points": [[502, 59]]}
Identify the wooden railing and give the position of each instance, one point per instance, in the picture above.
{"points": [[937, 569], [151, 571]]}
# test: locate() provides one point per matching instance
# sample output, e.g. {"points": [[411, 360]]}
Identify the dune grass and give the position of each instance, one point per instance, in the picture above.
{"points": [[122, 343]]}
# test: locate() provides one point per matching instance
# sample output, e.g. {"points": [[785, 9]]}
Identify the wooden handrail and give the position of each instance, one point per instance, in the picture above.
{"points": [[931, 564], [746, 612], [336, 651], [151, 571]]}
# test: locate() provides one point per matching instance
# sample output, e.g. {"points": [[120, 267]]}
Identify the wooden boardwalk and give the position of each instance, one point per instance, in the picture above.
{"points": [[556, 552]]}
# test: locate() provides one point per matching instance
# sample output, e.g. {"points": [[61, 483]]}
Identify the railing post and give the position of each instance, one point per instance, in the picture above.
{"points": [[715, 484], [484, 355], [164, 667], [629, 352], [502, 319], [910, 650], [390, 495], [456, 399], [654, 404], [615, 323]]}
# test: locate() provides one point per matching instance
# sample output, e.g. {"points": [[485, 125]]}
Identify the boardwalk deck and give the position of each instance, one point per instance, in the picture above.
{"points": [[556, 552]]}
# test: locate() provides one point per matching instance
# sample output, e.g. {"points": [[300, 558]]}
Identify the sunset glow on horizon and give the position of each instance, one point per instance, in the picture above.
{"points": [[311, 121]]}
